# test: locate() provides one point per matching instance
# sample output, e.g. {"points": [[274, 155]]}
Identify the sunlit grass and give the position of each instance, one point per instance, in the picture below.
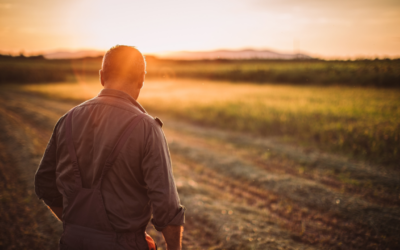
{"points": [[80, 90], [362, 122]]}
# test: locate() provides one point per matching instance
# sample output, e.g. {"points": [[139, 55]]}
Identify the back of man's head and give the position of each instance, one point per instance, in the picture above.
{"points": [[123, 64]]}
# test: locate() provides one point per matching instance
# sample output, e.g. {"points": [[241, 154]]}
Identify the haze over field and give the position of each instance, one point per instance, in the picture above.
{"points": [[328, 29]]}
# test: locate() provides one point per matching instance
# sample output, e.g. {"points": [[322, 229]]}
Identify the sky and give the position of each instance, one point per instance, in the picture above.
{"points": [[327, 29]]}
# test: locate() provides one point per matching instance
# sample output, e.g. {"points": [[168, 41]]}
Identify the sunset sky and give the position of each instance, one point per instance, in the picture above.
{"points": [[330, 29]]}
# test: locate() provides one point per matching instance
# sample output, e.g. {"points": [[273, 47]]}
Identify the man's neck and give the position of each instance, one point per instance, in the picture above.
{"points": [[134, 93]]}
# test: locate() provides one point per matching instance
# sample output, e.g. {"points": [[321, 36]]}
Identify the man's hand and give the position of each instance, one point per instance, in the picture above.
{"points": [[173, 237], [57, 211]]}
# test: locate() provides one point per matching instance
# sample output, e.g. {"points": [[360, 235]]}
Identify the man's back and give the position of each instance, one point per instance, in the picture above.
{"points": [[141, 168], [137, 184]]}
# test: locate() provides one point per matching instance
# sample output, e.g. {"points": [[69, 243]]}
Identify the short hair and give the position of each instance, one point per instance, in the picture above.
{"points": [[123, 62]]}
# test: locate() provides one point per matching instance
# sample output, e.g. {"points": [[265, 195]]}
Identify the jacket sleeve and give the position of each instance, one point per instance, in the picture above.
{"points": [[45, 177], [157, 172]]}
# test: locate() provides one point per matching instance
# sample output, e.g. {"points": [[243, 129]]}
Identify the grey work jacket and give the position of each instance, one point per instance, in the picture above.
{"points": [[139, 184]]}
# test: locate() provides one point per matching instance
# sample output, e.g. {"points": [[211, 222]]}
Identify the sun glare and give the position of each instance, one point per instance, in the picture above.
{"points": [[326, 29], [152, 29]]}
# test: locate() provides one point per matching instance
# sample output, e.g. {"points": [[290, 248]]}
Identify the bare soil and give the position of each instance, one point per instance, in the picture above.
{"points": [[240, 191]]}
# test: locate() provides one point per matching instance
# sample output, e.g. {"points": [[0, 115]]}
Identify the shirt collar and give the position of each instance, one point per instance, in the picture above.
{"points": [[122, 95]]}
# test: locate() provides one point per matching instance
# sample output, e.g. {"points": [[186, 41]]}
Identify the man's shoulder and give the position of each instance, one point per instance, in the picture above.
{"points": [[123, 111], [158, 120], [115, 103], [153, 121]]}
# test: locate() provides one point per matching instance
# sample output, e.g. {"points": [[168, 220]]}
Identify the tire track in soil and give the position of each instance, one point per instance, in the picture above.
{"points": [[354, 223], [198, 185], [310, 164], [233, 217]]}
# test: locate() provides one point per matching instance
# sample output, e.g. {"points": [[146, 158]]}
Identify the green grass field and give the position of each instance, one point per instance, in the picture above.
{"points": [[358, 122]]}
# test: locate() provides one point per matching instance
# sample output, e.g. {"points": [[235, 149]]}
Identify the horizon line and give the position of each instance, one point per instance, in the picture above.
{"points": [[162, 54]]}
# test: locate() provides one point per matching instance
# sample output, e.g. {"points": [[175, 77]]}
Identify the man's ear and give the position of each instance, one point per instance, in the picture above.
{"points": [[101, 77]]}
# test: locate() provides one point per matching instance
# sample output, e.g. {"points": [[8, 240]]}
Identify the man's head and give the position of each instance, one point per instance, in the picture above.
{"points": [[123, 68]]}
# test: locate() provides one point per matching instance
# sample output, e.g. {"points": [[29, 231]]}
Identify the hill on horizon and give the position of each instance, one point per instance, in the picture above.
{"points": [[232, 55], [244, 54], [63, 54]]}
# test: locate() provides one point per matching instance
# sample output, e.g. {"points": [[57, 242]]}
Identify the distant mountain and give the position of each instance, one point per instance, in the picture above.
{"points": [[190, 55], [73, 54], [231, 55]]}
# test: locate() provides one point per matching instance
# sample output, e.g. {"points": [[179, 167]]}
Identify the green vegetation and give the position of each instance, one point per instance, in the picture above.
{"points": [[40, 70], [372, 136], [360, 122], [378, 73]]}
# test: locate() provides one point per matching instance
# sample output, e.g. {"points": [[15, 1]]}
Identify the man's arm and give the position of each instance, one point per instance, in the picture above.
{"points": [[173, 237], [57, 212], [45, 177], [168, 214]]}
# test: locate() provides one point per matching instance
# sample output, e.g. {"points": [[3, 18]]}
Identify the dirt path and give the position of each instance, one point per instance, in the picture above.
{"points": [[243, 192]]}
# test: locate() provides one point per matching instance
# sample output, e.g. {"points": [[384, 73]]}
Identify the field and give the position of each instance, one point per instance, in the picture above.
{"points": [[257, 166], [377, 73], [359, 122]]}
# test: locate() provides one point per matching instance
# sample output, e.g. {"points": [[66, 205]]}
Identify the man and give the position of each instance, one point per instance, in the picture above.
{"points": [[107, 167]]}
